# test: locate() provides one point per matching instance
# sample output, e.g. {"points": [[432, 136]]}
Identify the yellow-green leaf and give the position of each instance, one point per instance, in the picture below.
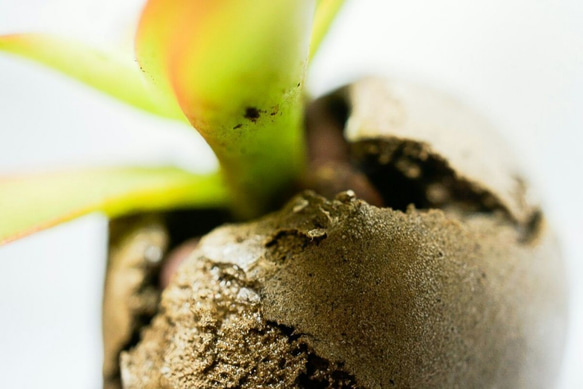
{"points": [[326, 11], [237, 69], [30, 203], [108, 72]]}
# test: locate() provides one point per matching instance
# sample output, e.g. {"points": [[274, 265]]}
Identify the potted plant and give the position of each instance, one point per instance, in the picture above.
{"points": [[419, 260]]}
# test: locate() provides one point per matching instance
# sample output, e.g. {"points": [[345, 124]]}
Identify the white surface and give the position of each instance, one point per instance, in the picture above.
{"points": [[518, 61]]}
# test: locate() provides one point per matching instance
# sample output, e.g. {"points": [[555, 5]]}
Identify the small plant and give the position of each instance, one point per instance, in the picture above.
{"points": [[414, 259], [234, 71]]}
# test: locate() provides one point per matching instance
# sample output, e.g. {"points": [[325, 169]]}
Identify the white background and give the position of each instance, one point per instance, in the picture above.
{"points": [[518, 61]]}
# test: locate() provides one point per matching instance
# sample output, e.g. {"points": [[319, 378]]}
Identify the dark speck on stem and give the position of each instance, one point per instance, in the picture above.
{"points": [[252, 114]]}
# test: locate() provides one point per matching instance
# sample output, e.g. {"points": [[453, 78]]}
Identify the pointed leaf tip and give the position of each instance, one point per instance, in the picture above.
{"points": [[34, 202]]}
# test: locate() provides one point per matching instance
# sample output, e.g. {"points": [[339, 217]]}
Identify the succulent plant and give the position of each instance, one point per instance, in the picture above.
{"points": [[409, 252]]}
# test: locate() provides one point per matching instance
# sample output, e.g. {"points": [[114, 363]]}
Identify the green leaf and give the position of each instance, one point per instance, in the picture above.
{"points": [[237, 69], [106, 71], [31, 203], [326, 12]]}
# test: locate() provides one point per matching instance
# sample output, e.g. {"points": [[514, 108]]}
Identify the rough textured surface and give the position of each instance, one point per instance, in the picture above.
{"points": [[213, 333], [443, 128], [456, 283], [416, 299], [130, 295]]}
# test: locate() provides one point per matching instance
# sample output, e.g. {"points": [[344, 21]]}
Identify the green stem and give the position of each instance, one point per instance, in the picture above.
{"points": [[237, 70], [265, 153]]}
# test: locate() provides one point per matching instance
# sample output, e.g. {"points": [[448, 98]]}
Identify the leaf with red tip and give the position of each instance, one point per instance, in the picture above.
{"points": [[237, 69], [105, 71], [31, 203]]}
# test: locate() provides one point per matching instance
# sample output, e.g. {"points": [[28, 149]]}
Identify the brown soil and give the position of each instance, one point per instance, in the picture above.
{"points": [[453, 281], [332, 294]]}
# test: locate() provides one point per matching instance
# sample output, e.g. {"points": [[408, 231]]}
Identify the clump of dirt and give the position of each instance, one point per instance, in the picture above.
{"points": [[137, 259], [396, 144], [213, 321], [377, 297], [131, 295], [446, 276]]}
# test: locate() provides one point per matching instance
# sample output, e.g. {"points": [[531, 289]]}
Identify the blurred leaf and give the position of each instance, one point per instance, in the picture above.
{"points": [[30, 203], [326, 12], [237, 69], [107, 72]]}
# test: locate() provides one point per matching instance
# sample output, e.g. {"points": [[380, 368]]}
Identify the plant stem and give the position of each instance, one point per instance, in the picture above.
{"points": [[237, 70], [265, 153]]}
